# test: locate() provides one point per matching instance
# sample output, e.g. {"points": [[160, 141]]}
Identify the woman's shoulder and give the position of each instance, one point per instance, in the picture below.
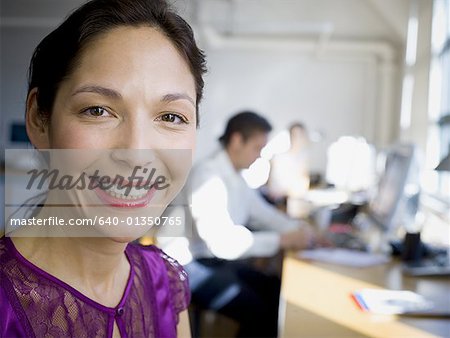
{"points": [[154, 257], [161, 264], [2, 246], [149, 255], [10, 325], [3, 240], [5, 250]]}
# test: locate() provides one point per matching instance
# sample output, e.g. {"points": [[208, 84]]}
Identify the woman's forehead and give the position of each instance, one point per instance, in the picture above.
{"points": [[128, 45], [139, 55]]}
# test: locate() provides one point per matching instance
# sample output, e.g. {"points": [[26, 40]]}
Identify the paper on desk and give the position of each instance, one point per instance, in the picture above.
{"points": [[353, 258], [391, 301]]}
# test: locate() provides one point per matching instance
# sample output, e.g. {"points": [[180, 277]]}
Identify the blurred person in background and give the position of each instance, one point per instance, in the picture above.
{"points": [[289, 171], [233, 222]]}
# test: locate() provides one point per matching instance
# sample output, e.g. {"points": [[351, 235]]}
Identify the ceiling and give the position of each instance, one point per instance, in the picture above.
{"points": [[384, 20]]}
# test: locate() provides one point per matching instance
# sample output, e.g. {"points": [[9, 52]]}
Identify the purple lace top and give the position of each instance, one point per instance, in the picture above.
{"points": [[35, 304]]}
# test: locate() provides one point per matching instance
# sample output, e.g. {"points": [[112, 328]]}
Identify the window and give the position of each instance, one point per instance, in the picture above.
{"points": [[438, 139]]}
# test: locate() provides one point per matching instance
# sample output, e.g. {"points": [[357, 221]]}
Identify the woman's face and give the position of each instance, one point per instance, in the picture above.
{"points": [[132, 90], [132, 96]]}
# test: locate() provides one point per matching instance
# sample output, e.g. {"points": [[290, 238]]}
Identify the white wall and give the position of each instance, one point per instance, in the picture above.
{"points": [[288, 87], [342, 89], [333, 64]]}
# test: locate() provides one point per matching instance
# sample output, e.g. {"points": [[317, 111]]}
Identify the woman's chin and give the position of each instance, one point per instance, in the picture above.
{"points": [[121, 235], [124, 240]]}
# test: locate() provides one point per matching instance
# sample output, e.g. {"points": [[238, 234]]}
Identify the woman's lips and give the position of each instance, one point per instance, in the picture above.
{"points": [[119, 202]]}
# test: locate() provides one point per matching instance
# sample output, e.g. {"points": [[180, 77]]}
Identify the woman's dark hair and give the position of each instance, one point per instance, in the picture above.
{"points": [[245, 123], [59, 52]]}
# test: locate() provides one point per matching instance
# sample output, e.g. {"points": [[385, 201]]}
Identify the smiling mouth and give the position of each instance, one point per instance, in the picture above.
{"points": [[128, 196]]}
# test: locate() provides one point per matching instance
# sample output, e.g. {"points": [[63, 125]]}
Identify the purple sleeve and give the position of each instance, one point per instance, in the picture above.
{"points": [[178, 284], [10, 325]]}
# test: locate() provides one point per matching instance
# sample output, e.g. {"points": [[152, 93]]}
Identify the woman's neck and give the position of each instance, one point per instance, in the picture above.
{"points": [[96, 267]]}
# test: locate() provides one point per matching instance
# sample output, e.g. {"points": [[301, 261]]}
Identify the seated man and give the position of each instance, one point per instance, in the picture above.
{"points": [[223, 205]]}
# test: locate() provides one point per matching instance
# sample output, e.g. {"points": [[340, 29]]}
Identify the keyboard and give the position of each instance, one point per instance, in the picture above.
{"points": [[429, 267], [347, 241]]}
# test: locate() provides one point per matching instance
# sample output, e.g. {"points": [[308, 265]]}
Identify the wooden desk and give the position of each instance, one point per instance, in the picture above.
{"points": [[315, 302]]}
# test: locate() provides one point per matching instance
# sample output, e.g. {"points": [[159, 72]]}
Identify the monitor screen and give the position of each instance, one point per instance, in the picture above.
{"points": [[394, 187], [18, 133]]}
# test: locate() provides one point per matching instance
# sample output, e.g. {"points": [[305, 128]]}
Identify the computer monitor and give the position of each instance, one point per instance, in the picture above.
{"points": [[397, 199], [18, 133]]}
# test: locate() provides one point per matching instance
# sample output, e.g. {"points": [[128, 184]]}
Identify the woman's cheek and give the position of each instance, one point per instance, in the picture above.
{"points": [[77, 138]]}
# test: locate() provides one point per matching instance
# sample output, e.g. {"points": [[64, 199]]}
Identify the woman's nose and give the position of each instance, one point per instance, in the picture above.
{"points": [[133, 157], [136, 143]]}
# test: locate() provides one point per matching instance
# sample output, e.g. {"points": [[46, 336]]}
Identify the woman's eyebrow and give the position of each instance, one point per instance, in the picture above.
{"points": [[177, 96], [108, 92]]}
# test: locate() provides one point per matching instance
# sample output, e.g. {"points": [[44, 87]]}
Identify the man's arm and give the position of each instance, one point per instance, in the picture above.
{"points": [[265, 216], [214, 224]]}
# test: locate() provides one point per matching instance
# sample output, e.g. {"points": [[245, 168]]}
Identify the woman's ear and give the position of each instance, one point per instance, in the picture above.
{"points": [[37, 128]]}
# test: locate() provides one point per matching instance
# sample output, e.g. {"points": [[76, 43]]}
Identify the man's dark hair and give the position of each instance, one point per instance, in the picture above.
{"points": [[245, 123], [58, 54]]}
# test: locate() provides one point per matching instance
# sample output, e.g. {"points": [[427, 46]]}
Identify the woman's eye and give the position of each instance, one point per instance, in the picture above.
{"points": [[172, 118], [96, 112]]}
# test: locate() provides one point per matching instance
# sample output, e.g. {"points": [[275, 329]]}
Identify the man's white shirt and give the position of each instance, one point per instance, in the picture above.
{"points": [[222, 204]]}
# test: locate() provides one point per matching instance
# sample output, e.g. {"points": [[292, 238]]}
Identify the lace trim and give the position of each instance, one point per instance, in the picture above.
{"points": [[10, 294], [178, 284], [46, 309]]}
